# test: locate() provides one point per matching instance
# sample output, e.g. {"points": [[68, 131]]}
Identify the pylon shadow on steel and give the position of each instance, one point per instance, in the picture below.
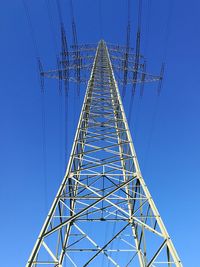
{"points": [[103, 214]]}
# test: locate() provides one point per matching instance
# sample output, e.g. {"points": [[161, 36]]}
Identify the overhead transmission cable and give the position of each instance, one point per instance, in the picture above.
{"points": [[137, 59], [147, 28], [60, 103], [31, 30], [43, 113], [166, 31], [77, 59], [146, 36], [77, 62], [128, 30], [100, 19], [51, 26], [165, 46], [63, 69]]}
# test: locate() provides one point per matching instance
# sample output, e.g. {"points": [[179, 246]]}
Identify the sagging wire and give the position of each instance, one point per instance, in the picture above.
{"points": [[167, 32], [144, 65], [77, 59], [60, 110], [139, 104], [64, 74], [59, 67], [43, 109], [155, 111], [146, 41], [53, 34], [60, 85], [65, 59], [65, 65], [100, 19], [143, 79], [125, 67], [77, 62], [160, 84], [44, 144], [31, 30], [137, 59]]}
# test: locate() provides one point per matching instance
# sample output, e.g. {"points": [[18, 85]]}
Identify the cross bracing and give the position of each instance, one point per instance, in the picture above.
{"points": [[121, 61], [103, 213]]}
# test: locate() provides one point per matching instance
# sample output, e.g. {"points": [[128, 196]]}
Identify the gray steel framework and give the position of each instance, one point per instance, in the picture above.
{"points": [[103, 213]]}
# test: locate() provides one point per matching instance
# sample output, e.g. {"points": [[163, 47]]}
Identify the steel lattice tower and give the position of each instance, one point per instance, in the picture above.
{"points": [[103, 213]]}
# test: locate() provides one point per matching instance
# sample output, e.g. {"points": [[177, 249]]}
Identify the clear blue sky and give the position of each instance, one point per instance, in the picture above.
{"points": [[166, 134]]}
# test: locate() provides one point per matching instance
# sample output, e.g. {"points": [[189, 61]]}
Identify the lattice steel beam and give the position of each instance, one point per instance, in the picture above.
{"points": [[103, 213]]}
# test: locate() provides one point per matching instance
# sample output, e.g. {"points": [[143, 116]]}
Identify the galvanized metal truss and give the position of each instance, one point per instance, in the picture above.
{"points": [[103, 213], [77, 63]]}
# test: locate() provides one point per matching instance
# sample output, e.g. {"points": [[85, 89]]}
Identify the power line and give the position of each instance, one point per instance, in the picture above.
{"points": [[128, 30], [167, 29], [100, 19], [75, 47], [148, 20], [43, 113], [64, 74], [137, 58], [31, 30], [51, 26]]}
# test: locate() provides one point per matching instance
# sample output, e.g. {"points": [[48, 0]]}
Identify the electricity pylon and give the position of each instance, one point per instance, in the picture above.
{"points": [[103, 213]]}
